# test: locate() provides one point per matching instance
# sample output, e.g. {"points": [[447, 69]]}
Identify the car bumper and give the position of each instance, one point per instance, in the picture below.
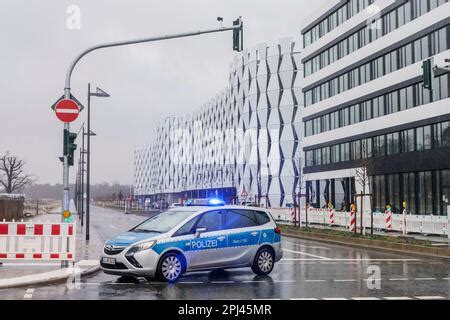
{"points": [[143, 263]]}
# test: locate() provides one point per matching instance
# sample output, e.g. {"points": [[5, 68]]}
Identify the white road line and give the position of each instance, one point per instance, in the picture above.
{"points": [[397, 298], [430, 297], [253, 281], [445, 278], [305, 254], [287, 281], [424, 279], [28, 293], [191, 282], [345, 280], [357, 260], [398, 279], [306, 246], [365, 298], [228, 281], [328, 262], [303, 299], [92, 283], [314, 280], [334, 299]]}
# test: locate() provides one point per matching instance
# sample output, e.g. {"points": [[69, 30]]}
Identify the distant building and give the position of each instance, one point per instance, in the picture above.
{"points": [[364, 99], [243, 141]]}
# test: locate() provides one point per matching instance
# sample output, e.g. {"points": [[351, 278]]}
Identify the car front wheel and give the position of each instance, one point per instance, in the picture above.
{"points": [[170, 267], [264, 262]]}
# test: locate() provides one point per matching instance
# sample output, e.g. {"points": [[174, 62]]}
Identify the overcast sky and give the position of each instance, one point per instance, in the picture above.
{"points": [[147, 82]]}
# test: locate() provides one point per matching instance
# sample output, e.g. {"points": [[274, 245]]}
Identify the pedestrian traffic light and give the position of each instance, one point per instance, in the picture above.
{"points": [[427, 74], [69, 145], [238, 35]]}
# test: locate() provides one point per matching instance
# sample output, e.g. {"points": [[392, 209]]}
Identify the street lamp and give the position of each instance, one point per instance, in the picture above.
{"points": [[98, 93]]}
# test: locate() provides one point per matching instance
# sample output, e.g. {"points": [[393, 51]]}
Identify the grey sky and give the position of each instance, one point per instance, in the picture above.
{"points": [[147, 82]]}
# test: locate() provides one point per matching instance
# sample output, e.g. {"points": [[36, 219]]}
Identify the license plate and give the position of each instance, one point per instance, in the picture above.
{"points": [[108, 260]]}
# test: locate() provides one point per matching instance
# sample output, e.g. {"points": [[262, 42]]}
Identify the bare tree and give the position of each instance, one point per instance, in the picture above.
{"points": [[12, 174], [362, 174]]}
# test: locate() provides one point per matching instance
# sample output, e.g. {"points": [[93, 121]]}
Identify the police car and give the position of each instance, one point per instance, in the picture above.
{"points": [[195, 238]]}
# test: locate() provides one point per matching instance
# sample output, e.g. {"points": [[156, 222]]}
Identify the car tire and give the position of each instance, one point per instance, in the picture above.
{"points": [[264, 261], [170, 267]]}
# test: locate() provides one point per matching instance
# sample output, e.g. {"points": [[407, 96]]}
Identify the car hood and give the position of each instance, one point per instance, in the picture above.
{"points": [[130, 237]]}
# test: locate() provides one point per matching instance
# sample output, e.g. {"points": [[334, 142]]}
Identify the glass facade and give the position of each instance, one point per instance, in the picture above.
{"points": [[394, 101], [339, 192], [425, 192], [342, 14], [415, 139], [387, 23], [417, 50]]}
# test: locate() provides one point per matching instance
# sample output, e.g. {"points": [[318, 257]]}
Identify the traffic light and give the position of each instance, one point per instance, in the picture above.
{"points": [[238, 35], [69, 145], [427, 67]]}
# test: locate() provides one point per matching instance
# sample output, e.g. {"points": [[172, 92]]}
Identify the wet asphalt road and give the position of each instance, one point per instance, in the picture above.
{"points": [[308, 270]]}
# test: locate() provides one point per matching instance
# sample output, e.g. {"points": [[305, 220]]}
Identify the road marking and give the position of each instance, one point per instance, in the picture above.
{"points": [[28, 293], [345, 280], [430, 297], [424, 279], [365, 298], [254, 281], [328, 262], [228, 281], [287, 281], [92, 283], [397, 298], [305, 246], [357, 260], [191, 282], [445, 278], [398, 279], [314, 280], [305, 254], [335, 299], [303, 299]]}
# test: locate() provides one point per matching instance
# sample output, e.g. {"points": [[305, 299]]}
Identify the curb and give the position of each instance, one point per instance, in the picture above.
{"points": [[404, 248], [81, 269]]}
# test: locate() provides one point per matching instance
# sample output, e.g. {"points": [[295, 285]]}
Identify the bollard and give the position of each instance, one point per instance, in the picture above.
{"points": [[388, 214]]}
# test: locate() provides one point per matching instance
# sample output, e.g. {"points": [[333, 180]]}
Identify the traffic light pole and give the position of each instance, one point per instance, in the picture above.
{"points": [[237, 45]]}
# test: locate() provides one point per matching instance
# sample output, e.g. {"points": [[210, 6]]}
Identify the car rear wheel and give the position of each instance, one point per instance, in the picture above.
{"points": [[170, 267], [264, 262]]}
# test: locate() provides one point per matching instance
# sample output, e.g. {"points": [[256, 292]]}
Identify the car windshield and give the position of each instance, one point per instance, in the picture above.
{"points": [[163, 222]]}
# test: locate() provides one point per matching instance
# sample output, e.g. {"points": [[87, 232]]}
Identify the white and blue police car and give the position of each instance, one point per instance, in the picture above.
{"points": [[195, 237]]}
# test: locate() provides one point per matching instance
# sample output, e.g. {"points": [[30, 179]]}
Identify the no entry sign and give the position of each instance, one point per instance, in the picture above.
{"points": [[67, 110]]}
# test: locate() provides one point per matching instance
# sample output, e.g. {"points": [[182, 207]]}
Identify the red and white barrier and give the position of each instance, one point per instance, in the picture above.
{"points": [[388, 214], [352, 225], [331, 216], [293, 218], [37, 241]]}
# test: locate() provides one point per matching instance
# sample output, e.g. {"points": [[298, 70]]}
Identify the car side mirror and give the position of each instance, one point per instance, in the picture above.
{"points": [[199, 231]]}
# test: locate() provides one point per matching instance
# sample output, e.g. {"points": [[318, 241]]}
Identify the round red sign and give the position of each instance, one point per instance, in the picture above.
{"points": [[67, 110]]}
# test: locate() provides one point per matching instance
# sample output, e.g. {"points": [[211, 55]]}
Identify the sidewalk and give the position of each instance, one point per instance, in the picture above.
{"points": [[22, 273]]}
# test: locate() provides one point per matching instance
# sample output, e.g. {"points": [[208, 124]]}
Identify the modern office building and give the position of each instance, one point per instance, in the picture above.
{"points": [[365, 107], [242, 145]]}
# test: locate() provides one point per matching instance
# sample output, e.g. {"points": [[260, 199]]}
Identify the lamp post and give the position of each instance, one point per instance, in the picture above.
{"points": [[98, 93]]}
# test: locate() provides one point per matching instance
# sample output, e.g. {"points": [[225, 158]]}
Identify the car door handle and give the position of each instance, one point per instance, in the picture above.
{"points": [[254, 233], [221, 238]]}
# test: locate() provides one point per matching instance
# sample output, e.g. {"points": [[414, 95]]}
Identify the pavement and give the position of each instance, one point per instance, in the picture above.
{"points": [[309, 270]]}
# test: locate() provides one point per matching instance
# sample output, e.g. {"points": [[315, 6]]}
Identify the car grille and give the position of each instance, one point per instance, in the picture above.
{"points": [[111, 250]]}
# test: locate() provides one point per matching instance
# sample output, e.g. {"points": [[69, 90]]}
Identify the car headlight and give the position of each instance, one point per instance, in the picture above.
{"points": [[144, 245]]}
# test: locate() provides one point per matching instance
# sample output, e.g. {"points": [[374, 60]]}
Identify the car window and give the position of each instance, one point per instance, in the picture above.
{"points": [[211, 220], [262, 217], [164, 221], [238, 218], [187, 228]]}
